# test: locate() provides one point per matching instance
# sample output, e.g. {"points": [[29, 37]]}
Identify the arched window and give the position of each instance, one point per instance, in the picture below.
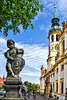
{"points": [[63, 46], [52, 38], [57, 37]]}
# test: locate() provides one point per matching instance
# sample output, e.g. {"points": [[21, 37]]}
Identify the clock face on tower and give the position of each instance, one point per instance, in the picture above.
{"points": [[57, 47]]}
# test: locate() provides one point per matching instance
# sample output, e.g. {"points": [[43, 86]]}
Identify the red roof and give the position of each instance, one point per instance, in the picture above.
{"points": [[1, 80], [1, 83], [38, 85], [45, 71]]}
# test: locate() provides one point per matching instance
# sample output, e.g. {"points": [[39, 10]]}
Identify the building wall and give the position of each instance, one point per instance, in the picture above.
{"points": [[54, 67]]}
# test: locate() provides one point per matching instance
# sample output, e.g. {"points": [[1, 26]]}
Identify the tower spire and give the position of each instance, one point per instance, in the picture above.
{"points": [[55, 22], [55, 16]]}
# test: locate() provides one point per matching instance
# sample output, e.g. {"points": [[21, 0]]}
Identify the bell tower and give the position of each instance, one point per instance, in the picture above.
{"points": [[53, 34]]}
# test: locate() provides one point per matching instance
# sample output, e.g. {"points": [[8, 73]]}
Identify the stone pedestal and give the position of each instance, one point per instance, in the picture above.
{"points": [[13, 89]]}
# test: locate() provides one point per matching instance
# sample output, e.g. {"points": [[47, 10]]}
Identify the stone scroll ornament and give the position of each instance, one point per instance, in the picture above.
{"points": [[15, 62]]}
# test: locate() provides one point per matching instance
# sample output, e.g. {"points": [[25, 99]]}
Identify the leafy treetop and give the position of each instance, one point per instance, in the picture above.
{"points": [[32, 87], [17, 12]]}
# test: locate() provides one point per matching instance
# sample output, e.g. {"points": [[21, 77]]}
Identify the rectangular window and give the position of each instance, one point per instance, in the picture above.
{"points": [[53, 74], [53, 86], [52, 38], [57, 37], [61, 86], [63, 46], [57, 70], [56, 86], [62, 67]]}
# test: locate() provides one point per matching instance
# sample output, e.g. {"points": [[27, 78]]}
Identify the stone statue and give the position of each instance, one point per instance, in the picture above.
{"points": [[15, 62], [25, 90]]}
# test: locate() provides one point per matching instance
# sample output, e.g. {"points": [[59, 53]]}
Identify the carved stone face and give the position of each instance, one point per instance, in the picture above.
{"points": [[10, 44]]}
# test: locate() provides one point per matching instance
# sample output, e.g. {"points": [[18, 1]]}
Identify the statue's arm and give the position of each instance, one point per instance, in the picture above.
{"points": [[7, 55], [20, 51]]}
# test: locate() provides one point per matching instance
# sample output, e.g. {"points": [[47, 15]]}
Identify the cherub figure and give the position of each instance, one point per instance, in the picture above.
{"points": [[13, 56]]}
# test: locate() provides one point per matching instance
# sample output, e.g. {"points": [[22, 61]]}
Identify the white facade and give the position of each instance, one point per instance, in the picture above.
{"points": [[57, 65]]}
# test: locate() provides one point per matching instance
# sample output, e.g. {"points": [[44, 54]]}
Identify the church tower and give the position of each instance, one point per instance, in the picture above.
{"points": [[53, 35]]}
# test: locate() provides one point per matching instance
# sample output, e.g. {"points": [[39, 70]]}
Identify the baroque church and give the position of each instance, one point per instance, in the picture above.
{"points": [[54, 77]]}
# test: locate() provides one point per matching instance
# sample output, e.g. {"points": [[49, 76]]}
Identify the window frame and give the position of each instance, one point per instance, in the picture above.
{"points": [[61, 88], [52, 38], [57, 37], [62, 67]]}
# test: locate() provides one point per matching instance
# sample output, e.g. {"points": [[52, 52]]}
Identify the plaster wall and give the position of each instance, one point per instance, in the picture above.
{"points": [[65, 43], [65, 77]]}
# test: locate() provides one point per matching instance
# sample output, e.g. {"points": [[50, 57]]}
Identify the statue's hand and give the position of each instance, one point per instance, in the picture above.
{"points": [[14, 75], [20, 51], [12, 59]]}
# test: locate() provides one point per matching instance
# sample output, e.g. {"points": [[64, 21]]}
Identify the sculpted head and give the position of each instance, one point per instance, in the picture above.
{"points": [[26, 82], [10, 43]]}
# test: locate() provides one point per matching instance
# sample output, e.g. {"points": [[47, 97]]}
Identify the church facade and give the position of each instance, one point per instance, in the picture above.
{"points": [[56, 73]]}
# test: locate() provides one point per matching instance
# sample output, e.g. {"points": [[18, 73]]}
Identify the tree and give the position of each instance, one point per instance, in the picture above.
{"points": [[32, 87], [35, 88], [29, 86], [17, 12]]}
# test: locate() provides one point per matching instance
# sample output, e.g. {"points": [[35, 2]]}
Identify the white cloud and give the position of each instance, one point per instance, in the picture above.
{"points": [[45, 28], [40, 14], [35, 55], [42, 27], [30, 73]]}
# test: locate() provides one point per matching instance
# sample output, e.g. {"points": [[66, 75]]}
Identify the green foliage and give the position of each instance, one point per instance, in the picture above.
{"points": [[29, 86], [2, 87], [3, 77], [17, 12], [32, 87]]}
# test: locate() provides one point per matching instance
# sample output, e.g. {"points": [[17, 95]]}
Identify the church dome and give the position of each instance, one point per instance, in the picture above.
{"points": [[55, 23], [55, 29]]}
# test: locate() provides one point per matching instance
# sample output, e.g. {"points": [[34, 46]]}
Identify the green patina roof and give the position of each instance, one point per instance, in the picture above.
{"points": [[55, 23], [55, 29]]}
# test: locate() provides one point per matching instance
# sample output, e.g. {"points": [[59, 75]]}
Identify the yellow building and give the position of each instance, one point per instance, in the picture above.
{"points": [[57, 61]]}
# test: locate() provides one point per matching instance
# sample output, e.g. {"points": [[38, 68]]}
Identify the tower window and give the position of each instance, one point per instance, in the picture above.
{"points": [[52, 38], [57, 37]]}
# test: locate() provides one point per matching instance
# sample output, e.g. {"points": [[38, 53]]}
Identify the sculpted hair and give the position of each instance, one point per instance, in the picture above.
{"points": [[9, 42]]}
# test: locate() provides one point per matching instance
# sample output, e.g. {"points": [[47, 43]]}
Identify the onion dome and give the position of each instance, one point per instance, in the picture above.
{"points": [[55, 23]]}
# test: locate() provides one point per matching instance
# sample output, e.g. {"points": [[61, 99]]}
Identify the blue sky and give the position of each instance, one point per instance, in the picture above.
{"points": [[34, 42]]}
